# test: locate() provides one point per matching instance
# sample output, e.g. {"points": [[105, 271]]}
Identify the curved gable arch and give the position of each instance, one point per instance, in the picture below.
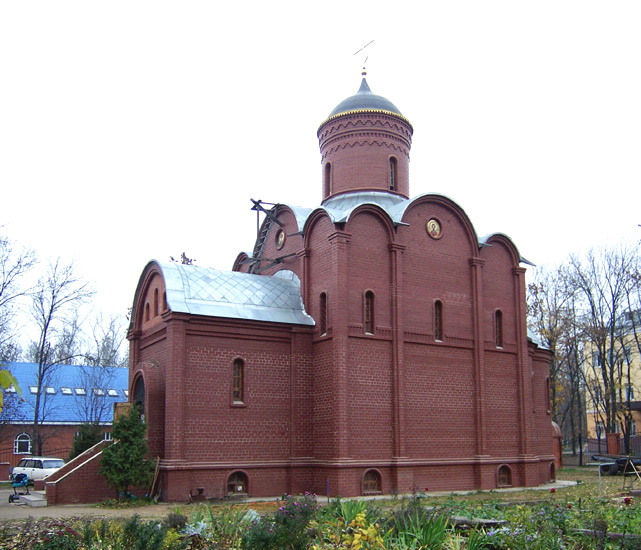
{"points": [[451, 206], [312, 221], [499, 239], [240, 262], [380, 214], [144, 294]]}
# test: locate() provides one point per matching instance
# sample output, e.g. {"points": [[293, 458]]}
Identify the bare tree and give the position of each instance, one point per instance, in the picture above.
{"points": [[551, 316], [602, 282], [14, 265], [55, 302], [106, 342], [93, 408]]}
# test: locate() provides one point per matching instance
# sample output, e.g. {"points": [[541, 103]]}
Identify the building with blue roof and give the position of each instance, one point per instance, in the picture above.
{"points": [[71, 395]]}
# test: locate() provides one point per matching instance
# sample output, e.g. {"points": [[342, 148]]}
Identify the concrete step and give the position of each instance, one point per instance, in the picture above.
{"points": [[36, 499]]}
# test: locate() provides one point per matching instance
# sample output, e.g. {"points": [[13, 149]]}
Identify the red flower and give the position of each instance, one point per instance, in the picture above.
{"points": [[627, 501], [553, 490]]}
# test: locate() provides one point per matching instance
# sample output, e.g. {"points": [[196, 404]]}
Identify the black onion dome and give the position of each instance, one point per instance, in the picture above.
{"points": [[364, 99]]}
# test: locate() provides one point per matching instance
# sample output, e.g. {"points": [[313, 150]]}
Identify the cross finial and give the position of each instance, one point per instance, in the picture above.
{"points": [[366, 57]]}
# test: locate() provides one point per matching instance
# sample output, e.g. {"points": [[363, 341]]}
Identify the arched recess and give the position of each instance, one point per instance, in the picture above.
{"points": [[372, 482], [504, 476], [138, 394], [238, 483], [148, 389]]}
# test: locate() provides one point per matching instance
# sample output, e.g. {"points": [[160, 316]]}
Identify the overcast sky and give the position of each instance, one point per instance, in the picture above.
{"points": [[132, 130]]}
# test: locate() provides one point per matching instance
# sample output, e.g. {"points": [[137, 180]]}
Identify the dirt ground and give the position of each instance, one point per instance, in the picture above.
{"points": [[12, 512], [17, 511]]}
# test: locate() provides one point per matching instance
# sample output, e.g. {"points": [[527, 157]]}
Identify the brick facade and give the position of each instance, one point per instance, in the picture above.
{"points": [[421, 370]]}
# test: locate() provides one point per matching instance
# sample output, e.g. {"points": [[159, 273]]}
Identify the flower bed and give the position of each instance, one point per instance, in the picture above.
{"points": [[299, 522]]}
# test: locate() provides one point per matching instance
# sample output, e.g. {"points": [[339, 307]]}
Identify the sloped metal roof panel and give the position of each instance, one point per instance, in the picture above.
{"points": [[206, 291]]}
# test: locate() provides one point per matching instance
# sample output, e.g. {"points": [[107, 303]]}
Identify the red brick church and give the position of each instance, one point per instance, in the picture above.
{"points": [[368, 345]]}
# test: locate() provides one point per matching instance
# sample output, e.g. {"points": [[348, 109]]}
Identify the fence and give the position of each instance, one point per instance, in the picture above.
{"points": [[635, 445]]}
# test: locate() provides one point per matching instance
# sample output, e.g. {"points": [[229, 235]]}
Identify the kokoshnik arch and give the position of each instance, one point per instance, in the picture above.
{"points": [[371, 344]]}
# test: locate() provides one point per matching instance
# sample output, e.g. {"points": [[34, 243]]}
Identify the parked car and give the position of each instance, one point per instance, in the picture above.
{"points": [[37, 467]]}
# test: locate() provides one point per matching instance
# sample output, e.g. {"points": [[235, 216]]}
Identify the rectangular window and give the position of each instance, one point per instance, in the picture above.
{"points": [[369, 312], [66, 391], [238, 381], [50, 390], [81, 391], [323, 314], [438, 320], [629, 393], [33, 389]]}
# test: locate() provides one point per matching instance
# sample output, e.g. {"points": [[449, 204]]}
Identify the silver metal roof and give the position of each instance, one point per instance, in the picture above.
{"points": [[340, 208], [231, 294]]}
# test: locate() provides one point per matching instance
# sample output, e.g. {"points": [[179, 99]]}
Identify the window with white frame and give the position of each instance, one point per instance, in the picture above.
{"points": [[22, 444]]}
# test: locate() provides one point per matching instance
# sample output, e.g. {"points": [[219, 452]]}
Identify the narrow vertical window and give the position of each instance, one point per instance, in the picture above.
{"points": [[438, 320], [369, 312], [238, 381], [498, 328], [155, 302], [323, 314], [165, 307], [548, 397], [327, 180], [147, 311], [392, 174]]}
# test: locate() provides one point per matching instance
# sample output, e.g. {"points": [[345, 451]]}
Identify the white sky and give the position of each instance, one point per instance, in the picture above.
{"points": [[135, 130]]}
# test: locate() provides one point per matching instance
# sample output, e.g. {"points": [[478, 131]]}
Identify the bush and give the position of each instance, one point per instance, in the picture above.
{"points": [[123, 464]]}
